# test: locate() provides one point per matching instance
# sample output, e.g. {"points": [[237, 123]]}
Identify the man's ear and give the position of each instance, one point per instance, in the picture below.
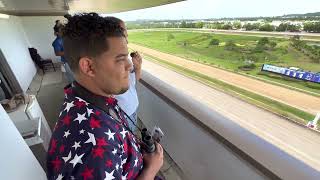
{"points": [[87, 66]]}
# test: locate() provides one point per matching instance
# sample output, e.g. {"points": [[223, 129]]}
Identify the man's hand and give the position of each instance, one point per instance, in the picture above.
{"points": [[152, 163], [137, 61]]}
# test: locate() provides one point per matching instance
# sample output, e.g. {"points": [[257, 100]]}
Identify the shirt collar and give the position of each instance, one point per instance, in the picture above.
{"points": [[76, 90]]}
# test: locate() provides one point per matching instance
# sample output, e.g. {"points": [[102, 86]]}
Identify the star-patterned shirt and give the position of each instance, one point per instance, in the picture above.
{"points": [[88, 143]]}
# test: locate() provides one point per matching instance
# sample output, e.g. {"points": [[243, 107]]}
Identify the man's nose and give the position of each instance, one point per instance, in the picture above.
{"points": [[128, 65]]}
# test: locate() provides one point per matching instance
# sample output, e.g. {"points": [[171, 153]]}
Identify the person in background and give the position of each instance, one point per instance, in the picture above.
{"points": [[57, 24], [129, 101], [58, 50]]}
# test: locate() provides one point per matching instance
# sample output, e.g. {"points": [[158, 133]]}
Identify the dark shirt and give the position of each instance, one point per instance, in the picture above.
{"points": [[58, 46], [89, 143]]}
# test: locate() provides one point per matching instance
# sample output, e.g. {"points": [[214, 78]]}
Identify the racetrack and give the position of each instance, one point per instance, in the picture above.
{"points": [[305, 102], [300, 142]]}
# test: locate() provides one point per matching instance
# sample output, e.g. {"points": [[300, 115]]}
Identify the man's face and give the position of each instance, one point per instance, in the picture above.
{"points": [[112, 67]]}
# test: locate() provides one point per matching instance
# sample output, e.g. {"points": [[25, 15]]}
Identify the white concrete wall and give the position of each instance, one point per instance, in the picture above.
{"points": [[39, 31], [199, 154], [195, 151], [17, 160], [14, 46]]}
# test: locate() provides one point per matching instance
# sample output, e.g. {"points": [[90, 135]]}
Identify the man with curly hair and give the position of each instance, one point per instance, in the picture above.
{"points": [[91, 139]]}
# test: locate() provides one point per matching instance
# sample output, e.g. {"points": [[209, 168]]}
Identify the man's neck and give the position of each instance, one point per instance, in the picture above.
{"points": [[93, 88]]}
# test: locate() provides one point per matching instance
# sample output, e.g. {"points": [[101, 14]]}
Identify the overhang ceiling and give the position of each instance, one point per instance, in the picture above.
{"points": [[61, 7]]}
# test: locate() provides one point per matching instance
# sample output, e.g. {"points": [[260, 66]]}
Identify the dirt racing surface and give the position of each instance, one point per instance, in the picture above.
{"points": [[290, 97]]}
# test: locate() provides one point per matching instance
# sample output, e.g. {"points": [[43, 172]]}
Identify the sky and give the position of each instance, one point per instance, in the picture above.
{"points": [[202, 9]]}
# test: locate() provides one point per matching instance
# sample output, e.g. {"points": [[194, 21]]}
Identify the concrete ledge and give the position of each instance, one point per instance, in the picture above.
{"points": [[269, 160]]}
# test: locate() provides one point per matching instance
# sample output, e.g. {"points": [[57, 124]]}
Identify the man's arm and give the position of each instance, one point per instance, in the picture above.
{"points": [[59, 53], [137, 61], [58, 49]]}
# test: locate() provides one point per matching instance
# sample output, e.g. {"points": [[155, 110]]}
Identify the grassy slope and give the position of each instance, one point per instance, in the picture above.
{"points": [[197, 49]]}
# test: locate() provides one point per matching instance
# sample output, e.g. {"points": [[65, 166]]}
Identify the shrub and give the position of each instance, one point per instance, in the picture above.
{"points": [[214, 42]]}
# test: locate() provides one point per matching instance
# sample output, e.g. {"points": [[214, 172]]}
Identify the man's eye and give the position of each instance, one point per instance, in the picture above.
{"points": [[120, 60]]}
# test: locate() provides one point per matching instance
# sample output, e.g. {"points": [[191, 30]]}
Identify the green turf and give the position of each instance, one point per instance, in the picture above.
{"points": [[195, 46], [261, 101]]}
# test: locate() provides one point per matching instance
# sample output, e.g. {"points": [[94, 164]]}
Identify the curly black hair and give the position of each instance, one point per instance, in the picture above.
{"points": [[85, 34], [114, 19]]}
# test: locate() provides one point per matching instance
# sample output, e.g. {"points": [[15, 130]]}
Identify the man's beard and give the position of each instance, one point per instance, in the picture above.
{"points": [[123, 90]]}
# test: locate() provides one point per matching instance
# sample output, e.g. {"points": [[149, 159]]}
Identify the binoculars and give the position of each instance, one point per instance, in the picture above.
{"points": [[147, 139]]}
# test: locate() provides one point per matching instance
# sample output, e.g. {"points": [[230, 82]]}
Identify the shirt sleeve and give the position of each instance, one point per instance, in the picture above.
{"points": [[57, 47]]}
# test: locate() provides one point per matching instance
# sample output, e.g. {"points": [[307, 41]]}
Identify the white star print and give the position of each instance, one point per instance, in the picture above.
{"points": [[67, 158], [68, 106], [110, 135], [134, 139], [134, 146], [122, 148], [136, 162], [109, 176], [60, 113], [81, 131], [81, 100], [114, 151], [76, 145], [117, 166], [66, 133], [123, 133], [59, 177], [91, 139], [89, 111], [123, 162], [124, 177], [76, 160], [80, 117]]}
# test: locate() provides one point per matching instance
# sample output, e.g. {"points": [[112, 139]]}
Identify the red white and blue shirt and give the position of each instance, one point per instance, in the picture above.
{"points": [[90, 143]]}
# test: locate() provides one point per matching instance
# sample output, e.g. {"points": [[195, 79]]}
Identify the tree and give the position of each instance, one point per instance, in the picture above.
{"points": [[227, 26], [266, 27], [308, 26], [214, 42], [250, 27], [183, 24], [313, 27], [237, 25], [282, 27], [199, 25], [294, 28]]}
